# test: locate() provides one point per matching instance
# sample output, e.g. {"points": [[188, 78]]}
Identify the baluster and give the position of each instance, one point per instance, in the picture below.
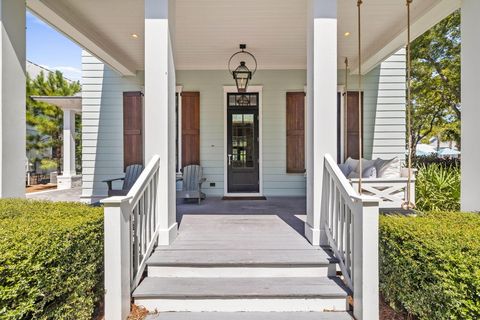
{"points": [[348, 258], [342, 228], [330, 202], [337, 210], [144, 225], [135, 240]]}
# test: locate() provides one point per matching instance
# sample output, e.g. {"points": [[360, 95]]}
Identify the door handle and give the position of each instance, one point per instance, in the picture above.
{"points": [[229, 159]]}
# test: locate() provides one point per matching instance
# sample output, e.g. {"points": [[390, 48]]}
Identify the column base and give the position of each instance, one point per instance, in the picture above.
{"points": [[69, 182], [312, 234], [166, 236]]}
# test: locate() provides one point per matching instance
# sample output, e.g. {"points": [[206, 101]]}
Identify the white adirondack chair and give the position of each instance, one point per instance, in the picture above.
{"points": [[193, 179]]}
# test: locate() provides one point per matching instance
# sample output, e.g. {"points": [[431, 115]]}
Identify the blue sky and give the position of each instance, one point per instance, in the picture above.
{"points": [[51, 49]]}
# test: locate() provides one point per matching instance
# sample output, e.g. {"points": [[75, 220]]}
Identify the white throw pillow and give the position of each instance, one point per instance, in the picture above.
{"points": [[369, 172], [388, 168], [367, 164]]}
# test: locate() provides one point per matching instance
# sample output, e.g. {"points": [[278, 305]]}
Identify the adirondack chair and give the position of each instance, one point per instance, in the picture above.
{"points": [[131, 175], [192, 178]]}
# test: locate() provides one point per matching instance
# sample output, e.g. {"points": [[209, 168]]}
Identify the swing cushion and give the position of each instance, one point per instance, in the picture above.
{"points": [[389, 168]]}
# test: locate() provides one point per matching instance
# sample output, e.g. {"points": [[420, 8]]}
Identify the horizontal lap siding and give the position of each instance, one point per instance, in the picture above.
{"points": [[384, 108], [276, 83], [102, 123]]}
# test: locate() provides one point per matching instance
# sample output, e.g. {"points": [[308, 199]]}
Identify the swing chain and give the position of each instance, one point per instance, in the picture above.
{"points": [[408, 204]]}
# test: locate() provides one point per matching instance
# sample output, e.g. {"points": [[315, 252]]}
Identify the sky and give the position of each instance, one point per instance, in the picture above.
{"points": [[51, 49]]}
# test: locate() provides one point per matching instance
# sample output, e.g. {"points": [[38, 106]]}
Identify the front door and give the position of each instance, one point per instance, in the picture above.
{"points": [[242, 143]]}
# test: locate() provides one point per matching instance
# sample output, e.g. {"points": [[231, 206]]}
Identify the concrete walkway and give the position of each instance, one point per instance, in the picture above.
{"points": [[70, 195]]}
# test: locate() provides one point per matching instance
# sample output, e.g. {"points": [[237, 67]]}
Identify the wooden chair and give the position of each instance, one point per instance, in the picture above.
{"points": [[131, 175], [193, 179]]}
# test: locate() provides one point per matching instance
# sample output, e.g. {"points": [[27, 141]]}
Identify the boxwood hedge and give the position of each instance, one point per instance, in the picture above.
{"points": [[430, 264], [51, 260]]}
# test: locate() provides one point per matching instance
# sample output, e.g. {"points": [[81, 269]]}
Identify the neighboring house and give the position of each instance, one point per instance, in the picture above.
{"points": [[156, 90]]}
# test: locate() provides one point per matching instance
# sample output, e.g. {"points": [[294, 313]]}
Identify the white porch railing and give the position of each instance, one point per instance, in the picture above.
{"points": [[131, 232], [351, 225]]}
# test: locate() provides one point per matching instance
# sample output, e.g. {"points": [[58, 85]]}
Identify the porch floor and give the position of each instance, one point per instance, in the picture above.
{"points": [[273, 224]]}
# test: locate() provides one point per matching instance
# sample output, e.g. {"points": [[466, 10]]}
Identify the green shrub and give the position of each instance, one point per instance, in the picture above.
{"points": [[430, 264], [438, 188], [51, 260]]}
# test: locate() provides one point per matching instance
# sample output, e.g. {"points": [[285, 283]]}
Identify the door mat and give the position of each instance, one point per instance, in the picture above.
{"points": [[244, 198]]}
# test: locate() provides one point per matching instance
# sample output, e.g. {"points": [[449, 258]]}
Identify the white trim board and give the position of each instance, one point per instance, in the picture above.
{"points": [[179, 90], [252, 89]]}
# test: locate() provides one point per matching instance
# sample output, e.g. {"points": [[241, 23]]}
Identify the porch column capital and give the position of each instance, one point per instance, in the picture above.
{"points": [[13, 159], [470, 111], [321, 106]]}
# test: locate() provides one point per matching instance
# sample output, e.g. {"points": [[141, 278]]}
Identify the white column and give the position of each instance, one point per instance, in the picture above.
{"points": [[69, 168], [68, 179], [321, 106], [12, 99], [470, 105], [160, 109]]}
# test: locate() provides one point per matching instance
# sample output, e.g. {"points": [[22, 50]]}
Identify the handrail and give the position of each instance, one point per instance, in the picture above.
{"points": [[144, 219], [350, 221], [131, 232]]}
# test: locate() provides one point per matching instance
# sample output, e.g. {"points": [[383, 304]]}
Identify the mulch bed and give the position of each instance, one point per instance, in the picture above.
{"points": [[387, 313], [40, 187]]}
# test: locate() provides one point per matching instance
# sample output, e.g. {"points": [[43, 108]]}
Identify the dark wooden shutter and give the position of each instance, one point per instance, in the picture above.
{"points": [[190, 128], [132, 128], [295, 132], [351, 125]]}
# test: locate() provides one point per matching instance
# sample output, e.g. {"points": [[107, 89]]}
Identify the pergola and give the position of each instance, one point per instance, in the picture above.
{"points": [[70, 106]]}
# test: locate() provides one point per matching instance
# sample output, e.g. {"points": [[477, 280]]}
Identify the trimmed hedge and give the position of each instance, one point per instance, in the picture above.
{"points": [[51, 260], [430, 264]]}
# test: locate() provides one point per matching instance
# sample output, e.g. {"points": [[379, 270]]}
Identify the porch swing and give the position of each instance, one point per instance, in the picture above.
{"points": [[384, 179]]}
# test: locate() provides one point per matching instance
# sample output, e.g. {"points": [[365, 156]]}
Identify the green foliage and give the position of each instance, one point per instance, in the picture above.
{"points": [[47, 164], [438, 188], [47, 119], [430, 265], [51, 260], [436, 82]]}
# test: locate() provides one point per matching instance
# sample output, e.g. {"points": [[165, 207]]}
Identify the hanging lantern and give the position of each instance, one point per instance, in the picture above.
{"points": [[242, 74]]}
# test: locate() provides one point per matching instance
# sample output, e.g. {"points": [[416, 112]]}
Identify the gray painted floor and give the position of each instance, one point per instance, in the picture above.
{"points": [[70, 195], [248, 221]]}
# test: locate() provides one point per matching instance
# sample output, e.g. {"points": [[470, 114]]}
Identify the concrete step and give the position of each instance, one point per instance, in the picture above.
{"points": [[316, 294], [241, 263], [251, 316]]}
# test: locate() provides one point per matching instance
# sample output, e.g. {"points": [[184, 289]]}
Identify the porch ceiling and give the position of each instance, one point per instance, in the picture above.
{"points": [[207, 32]]}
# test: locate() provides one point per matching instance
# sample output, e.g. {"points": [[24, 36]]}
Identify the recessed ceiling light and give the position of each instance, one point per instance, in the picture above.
{"points": [[134, 35], [346, 34]]}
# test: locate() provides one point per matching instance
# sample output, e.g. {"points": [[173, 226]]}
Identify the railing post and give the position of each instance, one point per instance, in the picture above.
{"points": [[117, 257], [365, 259]]}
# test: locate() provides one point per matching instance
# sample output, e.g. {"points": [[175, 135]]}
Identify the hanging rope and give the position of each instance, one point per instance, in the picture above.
{"points": [[345, 103], [408, 204], [360, 133]]}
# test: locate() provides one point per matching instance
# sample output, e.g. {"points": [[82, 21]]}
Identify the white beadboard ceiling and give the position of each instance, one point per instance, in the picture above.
{"points": [[207, 32]]}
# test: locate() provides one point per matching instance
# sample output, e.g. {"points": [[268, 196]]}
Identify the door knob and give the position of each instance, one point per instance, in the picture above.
{"points": [[229, 159]]}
